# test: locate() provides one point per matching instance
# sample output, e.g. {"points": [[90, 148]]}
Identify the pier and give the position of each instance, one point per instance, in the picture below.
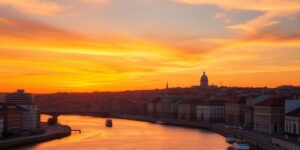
{"points": [[76, 130]]}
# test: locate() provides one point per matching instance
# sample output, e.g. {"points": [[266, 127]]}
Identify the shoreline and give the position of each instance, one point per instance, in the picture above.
{"points": [[52, 133], [257, 140]]}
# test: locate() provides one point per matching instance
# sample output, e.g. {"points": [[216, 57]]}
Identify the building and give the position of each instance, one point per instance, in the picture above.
{"points": [[204, 84], [269, 116], [29, 117], [154, 108], [24, 100], [129, 107], [204, 81], [106, 106], [169, 104], [212, 111], [249, 111], [19, 97], [235, 111], [1, 121], [291, 105], [292, 120], [12, 117], [38, 120], [292, 126], [187, 109]]}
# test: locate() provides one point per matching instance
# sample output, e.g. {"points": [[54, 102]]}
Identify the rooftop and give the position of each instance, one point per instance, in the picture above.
{"points": [[211, 103], [5, 106], [272, 102], [294, 113]]}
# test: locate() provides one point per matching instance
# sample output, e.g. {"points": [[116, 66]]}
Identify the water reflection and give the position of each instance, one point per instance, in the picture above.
{"points": [[130, 135]]}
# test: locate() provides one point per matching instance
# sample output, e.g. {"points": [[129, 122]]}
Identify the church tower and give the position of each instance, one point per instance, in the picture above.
{"points": [[204, 81], [167, 89]]}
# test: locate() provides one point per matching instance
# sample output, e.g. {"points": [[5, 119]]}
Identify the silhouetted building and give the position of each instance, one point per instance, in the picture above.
{"points": [[106, 106], [204, 81], [292, 120], [12, 117], [211, 111], [24, 100], [235, 111], [1, 121], [292, 125], [154, 108], [249, 111], [187, 109], [269, 116], [19, 97], [169, 104]]}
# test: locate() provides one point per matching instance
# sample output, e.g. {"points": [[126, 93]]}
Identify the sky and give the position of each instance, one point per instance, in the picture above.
{"points": [[113, 45]]}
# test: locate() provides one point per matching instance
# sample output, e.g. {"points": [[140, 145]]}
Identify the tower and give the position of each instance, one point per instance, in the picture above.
{"points": [[167, 89], [204, 81]]}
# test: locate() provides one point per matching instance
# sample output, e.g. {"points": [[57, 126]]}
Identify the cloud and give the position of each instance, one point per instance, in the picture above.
{"points": [[97, 2], [50, 7], [256, 25], [38, 7], [19, 27], [222, 17], [22, 30], [258, 5], [272, 11]]}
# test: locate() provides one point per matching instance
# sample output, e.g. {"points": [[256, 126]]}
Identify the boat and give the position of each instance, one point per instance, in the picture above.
{"points": [[230, 148], [108, 123], [230, 139], [160, 122], [241, 145]]}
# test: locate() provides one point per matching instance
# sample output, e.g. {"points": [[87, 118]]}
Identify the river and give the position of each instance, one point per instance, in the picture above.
{"points": [[129, 135]]}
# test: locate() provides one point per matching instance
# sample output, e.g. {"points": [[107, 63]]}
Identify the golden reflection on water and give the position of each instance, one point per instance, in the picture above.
{"points": [[130, 135]]}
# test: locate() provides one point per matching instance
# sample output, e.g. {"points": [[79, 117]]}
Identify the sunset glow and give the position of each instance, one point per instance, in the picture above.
{"points": [[112, 45]]}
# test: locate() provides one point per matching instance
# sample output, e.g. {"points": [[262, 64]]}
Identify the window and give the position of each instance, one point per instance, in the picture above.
{"points": [[298, 133], [294, 128]]}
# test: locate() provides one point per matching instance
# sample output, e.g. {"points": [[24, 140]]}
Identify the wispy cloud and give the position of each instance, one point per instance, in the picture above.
{"points": [[260, 5], [98, 2], [222, 17], [272, 11], [38, 7]]}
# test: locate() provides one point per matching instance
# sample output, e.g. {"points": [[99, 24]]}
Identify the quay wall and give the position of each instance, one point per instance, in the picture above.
{"points": [[64, 131], [258, 142], [285, 144]]}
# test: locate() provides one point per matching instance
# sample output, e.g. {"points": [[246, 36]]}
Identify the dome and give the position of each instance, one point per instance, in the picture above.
{"points": [[204, 77], [204, 81]]}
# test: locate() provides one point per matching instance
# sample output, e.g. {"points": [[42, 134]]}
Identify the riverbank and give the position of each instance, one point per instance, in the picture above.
{"points": [[256, 139], [52, 132]]}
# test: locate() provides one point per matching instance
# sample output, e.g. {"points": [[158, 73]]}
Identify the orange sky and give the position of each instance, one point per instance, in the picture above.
{"points": [[112, 45]]}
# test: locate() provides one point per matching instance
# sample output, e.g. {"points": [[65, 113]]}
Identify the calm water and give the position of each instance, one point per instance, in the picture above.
{"points": [[130, 135]]}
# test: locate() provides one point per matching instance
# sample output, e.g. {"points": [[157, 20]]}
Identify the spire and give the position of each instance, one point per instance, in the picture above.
{"points": [[167, 87]]}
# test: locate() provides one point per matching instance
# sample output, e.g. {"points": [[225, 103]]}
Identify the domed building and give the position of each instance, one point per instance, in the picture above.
{"points": [[204, 81]]}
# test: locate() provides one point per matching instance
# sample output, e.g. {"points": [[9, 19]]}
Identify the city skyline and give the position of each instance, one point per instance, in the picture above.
{"points": [[111, 45]]}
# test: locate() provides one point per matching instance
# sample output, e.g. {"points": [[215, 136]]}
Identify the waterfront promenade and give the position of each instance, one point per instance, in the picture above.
{"points": [[52, 132], [256, 139]]}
